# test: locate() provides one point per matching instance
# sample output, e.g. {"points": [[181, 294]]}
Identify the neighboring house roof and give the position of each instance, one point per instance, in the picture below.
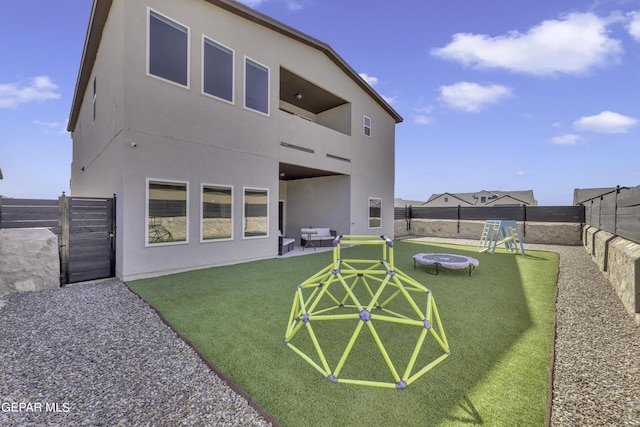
{"points": [[506, 199], [458, 196], [100, 12], [581, 195], [491, 197]]}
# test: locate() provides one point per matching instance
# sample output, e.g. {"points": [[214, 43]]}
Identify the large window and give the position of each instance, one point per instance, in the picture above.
{"points": [[217, 212], [217, 70], [256, 86], [166, 212], [256, 212], [168, 44], [375, 213]]}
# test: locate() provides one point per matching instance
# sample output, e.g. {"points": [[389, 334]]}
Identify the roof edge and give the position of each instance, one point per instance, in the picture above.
{"points": [[98, 18]]}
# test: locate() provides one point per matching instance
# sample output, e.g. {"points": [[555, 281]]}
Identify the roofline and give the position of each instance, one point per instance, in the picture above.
{"points": [[100, 12], [97, 20], [509, 196], [436, 196]]}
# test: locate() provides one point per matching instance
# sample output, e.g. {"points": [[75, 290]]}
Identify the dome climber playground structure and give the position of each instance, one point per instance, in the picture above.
{"points": [[364, 322]]}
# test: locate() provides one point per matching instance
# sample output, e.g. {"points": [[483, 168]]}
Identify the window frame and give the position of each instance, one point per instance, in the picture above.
{"points": [[221, 186], [366, 127], [222, 47], [95, 96], [169, 21], [146, 228], [247, 60], [369, 217], [244, 213]]}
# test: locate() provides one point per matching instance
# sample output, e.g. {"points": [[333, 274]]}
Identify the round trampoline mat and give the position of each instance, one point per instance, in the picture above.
{"points": [[450, 261]]}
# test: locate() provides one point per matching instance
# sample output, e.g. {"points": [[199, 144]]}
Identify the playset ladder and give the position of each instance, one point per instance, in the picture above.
{"points": [[500, 232]]}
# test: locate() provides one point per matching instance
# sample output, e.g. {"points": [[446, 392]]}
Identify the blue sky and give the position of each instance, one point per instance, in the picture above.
{"points": [[495, 95]]}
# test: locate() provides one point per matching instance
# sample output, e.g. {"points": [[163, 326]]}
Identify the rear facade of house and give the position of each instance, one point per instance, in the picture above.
{"points": [[218, 129]]}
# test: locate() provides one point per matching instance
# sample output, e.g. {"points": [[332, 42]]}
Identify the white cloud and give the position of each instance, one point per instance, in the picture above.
{"points": [[521, 173], [389, 99], [422, 116], [634, 25], [39, 90], [605, 122], [369, 79], [252, 3], [567, 139], [294, 5], [472, 97], [52, 127], [571, 45], [422, 119]]}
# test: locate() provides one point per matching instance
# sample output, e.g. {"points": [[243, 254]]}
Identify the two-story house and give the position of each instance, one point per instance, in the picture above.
{"points": [[218, 128]]}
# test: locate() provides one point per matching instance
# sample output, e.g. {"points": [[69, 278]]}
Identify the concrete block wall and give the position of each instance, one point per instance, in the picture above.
{"points": [[619, 261], [551, 233]]}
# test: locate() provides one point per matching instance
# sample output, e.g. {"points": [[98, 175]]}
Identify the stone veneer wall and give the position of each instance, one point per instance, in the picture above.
{"points": [[29, 259], [619, 261], [551, 233]]}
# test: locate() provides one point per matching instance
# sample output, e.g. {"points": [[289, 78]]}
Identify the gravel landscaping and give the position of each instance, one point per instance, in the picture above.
{"points": [[95, 354]]}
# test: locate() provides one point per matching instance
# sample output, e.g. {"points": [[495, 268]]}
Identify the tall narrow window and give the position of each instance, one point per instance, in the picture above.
{"points": [[256, 212], [217, 212], [375, 212], [217, 70], [94, 98], [166, 212], [168, 45], [256, 86], [367, 126]]}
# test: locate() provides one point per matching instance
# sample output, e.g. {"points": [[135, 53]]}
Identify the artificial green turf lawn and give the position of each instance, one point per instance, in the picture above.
{"points": [[498, 323]]}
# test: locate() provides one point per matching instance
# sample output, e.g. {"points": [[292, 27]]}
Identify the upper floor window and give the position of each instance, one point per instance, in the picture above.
{"points": [[217, 70], [256, 86], [168, 49], [367, 126]]}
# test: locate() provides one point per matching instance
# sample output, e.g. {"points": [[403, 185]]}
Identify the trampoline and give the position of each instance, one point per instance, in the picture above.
{"points": [[450, 261]]}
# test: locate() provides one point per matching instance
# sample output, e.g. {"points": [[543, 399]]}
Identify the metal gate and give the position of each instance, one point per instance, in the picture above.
{"points": [[87, 238]]}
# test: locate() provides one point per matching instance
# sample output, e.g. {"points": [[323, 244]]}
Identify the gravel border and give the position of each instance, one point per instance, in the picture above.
{"points": [[62, 359], [95, 355]]}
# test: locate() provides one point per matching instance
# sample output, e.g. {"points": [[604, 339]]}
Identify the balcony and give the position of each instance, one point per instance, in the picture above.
{"points": [[305, 100]]}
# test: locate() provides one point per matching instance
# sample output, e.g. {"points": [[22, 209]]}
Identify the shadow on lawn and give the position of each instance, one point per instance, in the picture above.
{"points": [[237, 316]]}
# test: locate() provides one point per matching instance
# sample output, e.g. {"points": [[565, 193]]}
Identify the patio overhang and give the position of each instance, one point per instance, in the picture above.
{"points": [[289, 172]]}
